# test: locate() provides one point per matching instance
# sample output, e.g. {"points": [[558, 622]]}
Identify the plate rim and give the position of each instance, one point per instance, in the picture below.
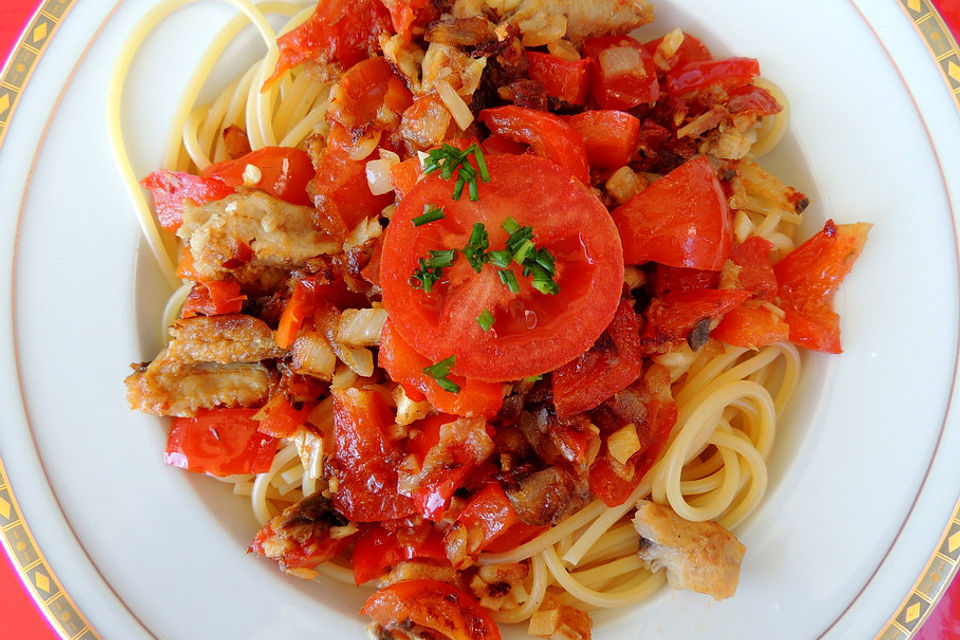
{"points": [[36, 572]]}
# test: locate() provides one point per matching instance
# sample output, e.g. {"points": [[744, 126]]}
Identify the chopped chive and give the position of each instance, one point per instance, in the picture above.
{"points": [[458, 188], [440, 371], [476, 248], [485, 320], [507, 278], [510, 225], [430, 213], [448, 385], [520, 255], [441, 258], [546, 287], [474, 192], [500, 258], [536, 378], [481, 162]]}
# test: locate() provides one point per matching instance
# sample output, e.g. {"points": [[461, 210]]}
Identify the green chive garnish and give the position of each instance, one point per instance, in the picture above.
{"points": [[430, 213], [507, 278], [440, 371], [485, 320]]}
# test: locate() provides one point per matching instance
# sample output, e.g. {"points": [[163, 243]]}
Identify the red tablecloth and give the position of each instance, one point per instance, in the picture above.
{"points": [[22, 619]]}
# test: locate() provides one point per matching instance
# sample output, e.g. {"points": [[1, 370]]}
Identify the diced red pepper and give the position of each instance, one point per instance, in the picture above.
{"points": [[220, 442], [171, 188], [610, 137], [696, 76], [284, 172], [623, 74], [213, 298]]}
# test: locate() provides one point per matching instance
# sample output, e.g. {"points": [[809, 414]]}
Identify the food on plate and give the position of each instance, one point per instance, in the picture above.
{"points": [[485, 306]]}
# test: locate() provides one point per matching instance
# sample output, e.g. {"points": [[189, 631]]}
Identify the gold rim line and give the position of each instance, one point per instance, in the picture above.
{"points": [[21, 547], [944, 562], [60, 609]]}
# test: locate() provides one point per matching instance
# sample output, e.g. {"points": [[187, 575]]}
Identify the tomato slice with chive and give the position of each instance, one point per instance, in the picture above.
{"points": [[532, 332]]}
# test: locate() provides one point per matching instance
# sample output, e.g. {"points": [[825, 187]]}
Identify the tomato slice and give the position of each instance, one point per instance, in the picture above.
{"points": [[549, 136], [681, 220], [405, 366], [220, 442], [435, 605], [666, 278], [365, 461], [284, 171], [608, 367], [171, 188], [532, 332], [808, 278]]}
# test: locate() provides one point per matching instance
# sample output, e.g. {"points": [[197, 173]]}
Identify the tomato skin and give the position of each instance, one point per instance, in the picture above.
{"points": [[613, 87], [365, 461], [670, 319], [307, 294], [408, 14], [752, 99], [666, 278], [548, 135], [213, 298], [444, 322], [377, 549], [344, 31], [404, 365], [808, 278], [220, 442], [567, 80], [690, 50], [518, 534], [695, 76], [751, 327], [342, 191], [681, 220], [285, 172], [435, 605], [171, 188], [610, 137], [585, 382]]}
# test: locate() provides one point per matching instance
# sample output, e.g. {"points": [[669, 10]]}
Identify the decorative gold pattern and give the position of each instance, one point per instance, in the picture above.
{"points": [[60, 608]]}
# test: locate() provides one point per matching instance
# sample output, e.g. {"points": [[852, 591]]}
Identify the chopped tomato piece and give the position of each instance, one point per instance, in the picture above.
{"points": [[567, 80], [532, 332], [613, 481], [308, 293], [678, 314], [343, 193], [518, 534], [405, 174], [436, 605], [681, 220], [610, 137], [220, 442], [213, 298], [623, 74], [365, 89], [404, 365], [690, 50], [751, 326], [284, 172], [666, 278], [751, 99], [608, 367], [808, 279], [171, 188], [487, 516], [548, 135], [377, 549], [344, 31], [300, 538], [696, 76], [408, 15], [365, 461], [280, 419], [496, 144], [756, 273]]}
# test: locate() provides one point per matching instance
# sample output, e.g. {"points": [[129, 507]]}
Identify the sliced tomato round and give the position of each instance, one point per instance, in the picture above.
{"points": [[532, 332]]}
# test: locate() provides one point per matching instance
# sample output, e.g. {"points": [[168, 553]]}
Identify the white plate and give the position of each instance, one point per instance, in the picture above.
{"points": [[864, 482]]}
